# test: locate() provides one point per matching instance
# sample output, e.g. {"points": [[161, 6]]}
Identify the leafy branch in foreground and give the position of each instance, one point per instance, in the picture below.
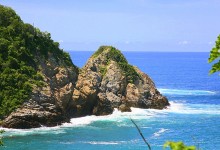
{"points": [[215, 57], [141, 134], [178, 146], [1, 142], [169, 144]]}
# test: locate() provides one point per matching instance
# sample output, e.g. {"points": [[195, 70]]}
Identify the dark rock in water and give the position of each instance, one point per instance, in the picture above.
{"points": [[107, 81], [124, 108]]}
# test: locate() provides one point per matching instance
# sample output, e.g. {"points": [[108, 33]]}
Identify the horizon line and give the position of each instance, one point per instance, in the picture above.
{"points": [[143, 51]]}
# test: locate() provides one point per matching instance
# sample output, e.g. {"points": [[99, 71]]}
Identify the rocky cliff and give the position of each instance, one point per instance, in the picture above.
{"points": [[50, 104], [37, 78], [40, 86], [107, 81]]}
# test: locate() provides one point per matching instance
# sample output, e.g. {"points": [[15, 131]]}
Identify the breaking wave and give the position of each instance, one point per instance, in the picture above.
{"points": [[185, 92], [161, 131], [121, 119], [103, 142]]}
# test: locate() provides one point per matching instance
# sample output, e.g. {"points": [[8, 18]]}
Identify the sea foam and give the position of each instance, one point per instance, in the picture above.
{"points": [[120, 118], [182, 108], [185, 92], [161, 131], [103, 142]]}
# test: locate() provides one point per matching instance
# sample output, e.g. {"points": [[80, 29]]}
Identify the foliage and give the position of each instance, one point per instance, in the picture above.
{"points": [[103, 70], [99, 51], [1, 142], [178, 146], [115, 55], [215, 57], [20, 43], [128, 69]]}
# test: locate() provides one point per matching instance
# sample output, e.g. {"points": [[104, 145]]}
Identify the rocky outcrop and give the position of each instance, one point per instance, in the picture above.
{"points": [[107, 81], [51, 103]]}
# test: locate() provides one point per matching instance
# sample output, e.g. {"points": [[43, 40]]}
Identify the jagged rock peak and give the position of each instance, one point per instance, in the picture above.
{"points": [[105, 55], [107, 81]]}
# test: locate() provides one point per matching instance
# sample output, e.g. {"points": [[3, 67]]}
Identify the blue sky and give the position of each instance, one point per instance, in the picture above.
{"points": [[129, 25]]}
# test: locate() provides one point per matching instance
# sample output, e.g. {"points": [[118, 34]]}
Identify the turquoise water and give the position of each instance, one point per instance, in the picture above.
{"points": [[193, 116]]}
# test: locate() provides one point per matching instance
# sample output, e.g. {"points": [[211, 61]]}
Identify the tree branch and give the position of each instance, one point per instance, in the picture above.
{"points": [[141, 134]]}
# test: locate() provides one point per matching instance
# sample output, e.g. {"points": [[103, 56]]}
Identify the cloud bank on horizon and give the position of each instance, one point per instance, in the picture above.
{"points": [[132, 25]]}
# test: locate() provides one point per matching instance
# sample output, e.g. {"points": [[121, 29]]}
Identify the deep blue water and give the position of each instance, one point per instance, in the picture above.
{"points": [[193, 116]]}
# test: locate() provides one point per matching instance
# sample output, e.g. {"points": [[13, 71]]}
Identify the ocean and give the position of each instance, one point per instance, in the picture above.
{"points": [[193, 116]]}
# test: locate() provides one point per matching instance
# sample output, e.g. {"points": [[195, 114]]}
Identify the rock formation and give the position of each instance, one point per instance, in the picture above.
{"points": [[50, 104], [107, 81]]}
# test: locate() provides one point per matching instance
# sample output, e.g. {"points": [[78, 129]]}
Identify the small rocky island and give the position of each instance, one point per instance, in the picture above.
{"points": [[40, 86], [107, 81]]}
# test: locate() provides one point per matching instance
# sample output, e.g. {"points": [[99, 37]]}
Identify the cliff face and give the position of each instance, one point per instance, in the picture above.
{"points": [[50, 104], [107, 81], [37, 78]]}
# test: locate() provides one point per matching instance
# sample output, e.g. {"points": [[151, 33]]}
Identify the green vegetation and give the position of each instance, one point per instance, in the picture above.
{"points": [[1, 142], [20, 43], [178, 146], [215, 57], [128, 69], [115, 55], [100, 50], [103, 70]]}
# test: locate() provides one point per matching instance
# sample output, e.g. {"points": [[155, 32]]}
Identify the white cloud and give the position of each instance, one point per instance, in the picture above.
{"points": [[127, 42], [60, 41], [211, 43], [184, 42]]}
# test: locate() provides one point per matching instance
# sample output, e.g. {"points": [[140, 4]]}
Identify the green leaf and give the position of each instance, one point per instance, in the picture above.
{"points": [[1, 142], [177, 146], [215, 57], [215, 68]]}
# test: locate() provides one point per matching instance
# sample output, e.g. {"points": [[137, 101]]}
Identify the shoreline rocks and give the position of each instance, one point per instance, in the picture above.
{"points": [[106, 82]]}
